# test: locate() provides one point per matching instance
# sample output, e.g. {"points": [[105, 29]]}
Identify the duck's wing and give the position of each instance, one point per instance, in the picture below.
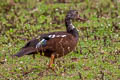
{"points": [[40, 43], [33, 45]]}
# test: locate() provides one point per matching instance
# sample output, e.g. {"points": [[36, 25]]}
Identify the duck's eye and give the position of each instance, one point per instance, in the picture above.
{"points": [[76, 12]]}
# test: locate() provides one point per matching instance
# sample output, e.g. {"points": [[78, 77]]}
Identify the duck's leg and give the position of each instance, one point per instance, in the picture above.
{"points": [[51, 61], [33, 56]]}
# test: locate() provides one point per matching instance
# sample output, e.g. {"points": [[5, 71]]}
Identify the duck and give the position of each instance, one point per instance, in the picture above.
{"points": [[54, 44]]}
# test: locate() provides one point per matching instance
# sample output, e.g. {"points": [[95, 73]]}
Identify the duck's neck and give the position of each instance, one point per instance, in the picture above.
{"points": [[70, 28]]}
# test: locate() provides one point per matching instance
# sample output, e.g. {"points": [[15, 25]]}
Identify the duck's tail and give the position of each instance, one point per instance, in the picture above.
{"points": [[26, 51]]}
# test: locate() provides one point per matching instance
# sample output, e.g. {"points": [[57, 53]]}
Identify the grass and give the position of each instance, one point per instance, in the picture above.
{"points": [[97, 56]]}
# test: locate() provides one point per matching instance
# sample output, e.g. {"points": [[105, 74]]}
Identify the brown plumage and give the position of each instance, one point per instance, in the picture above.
{"points": [[54, 44]]}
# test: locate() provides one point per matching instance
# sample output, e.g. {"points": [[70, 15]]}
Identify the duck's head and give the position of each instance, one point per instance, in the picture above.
{"points": [[72, 14]]}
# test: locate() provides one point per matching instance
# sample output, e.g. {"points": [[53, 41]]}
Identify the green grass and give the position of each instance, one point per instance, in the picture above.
{"points": [[97, 56]]}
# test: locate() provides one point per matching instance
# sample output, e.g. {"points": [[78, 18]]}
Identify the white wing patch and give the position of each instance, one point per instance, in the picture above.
{"points": [[50, 36], [63, 35], [58, 35], [39, 44], [43, 41], [53, 36]]}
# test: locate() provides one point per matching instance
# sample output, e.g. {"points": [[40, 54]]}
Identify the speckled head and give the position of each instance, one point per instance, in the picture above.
{"points": [[72, 14]]}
